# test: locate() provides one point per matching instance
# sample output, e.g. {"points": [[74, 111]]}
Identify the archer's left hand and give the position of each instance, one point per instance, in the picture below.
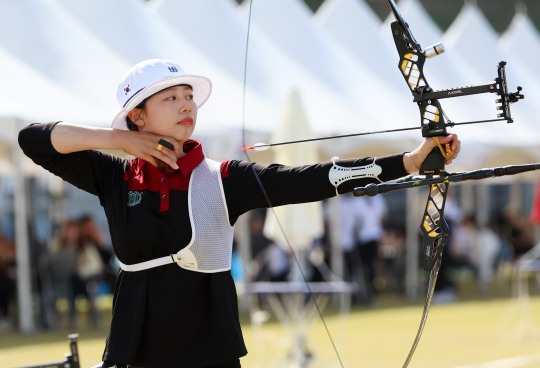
{"points": [[413, 160]]}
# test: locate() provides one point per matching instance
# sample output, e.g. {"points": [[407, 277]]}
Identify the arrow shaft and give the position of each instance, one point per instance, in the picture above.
{"points": [[343, 136], [449, 124]]}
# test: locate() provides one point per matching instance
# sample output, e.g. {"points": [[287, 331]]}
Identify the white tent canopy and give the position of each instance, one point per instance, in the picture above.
{"points": [[268, 70], [444, 71], [54, 43], [482, 50], [521, 38], [32, 97], [139, 34], [486, 54], [343, 90], [454, 69], [376, 103], [356, 27], [223, 38]]}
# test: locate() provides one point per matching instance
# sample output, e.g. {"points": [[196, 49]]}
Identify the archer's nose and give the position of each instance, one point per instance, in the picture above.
{"points": [[185, 108]]}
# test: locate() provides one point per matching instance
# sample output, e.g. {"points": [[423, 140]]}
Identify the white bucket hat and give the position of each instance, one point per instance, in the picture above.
{"points": [[151, 76]]}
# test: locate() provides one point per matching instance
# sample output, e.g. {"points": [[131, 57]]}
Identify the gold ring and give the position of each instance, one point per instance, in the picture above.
{"points": [[159, 147]]}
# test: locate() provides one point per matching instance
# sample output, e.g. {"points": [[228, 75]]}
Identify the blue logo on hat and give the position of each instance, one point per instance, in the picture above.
{"points": [[173, 69]]}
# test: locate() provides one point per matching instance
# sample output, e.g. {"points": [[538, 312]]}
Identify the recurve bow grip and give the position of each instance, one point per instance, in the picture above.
{"points": [[433, 164]]}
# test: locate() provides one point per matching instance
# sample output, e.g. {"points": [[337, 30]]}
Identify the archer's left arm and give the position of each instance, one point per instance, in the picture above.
{"points": [[249, 185], [244, 181]]}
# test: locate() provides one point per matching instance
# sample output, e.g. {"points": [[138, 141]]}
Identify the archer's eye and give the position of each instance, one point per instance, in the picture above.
{"points": [[189, 97], [171, 98]]}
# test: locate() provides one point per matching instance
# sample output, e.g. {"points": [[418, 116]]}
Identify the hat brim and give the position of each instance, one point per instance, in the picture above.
{"points": [[202, 87]]}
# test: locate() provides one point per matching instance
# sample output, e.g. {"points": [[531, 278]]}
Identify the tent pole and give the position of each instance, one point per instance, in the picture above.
{"points": [[24, 281]]}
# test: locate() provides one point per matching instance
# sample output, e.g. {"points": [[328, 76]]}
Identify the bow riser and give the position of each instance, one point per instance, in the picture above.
{"points": [[411, 66], [434, 227]]}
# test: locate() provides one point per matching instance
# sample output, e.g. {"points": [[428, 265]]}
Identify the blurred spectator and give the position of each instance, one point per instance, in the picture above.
{"points": [[270, 261], [91, 234], [392, 254], [535, 210], [484, 257], [319, 254], [517, 230], [278, 261], [63, 258], [371, 212], [7, 281], [348, 228], [91, 265], [350, 213], [259, 242], [445, 286], [535, 213], [477, 247]]}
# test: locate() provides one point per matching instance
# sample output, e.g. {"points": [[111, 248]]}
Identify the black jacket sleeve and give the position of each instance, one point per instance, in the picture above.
{"points": [[88, 170], [295, 184]]}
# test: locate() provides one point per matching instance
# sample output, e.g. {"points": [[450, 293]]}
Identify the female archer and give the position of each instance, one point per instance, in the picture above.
{"points": [[171, 213]]}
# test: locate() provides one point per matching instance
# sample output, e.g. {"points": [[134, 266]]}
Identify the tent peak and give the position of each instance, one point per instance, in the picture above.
{"points": [[521, 8]]}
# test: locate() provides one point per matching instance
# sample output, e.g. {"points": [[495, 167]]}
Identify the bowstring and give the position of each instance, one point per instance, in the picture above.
{"points": [[267, 198]]}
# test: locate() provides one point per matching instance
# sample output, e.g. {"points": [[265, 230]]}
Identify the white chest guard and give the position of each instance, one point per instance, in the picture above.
{"points": [[210, 248]]}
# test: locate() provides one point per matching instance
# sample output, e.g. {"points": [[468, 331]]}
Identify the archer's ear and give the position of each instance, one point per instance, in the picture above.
{"points": [[135, 116]]}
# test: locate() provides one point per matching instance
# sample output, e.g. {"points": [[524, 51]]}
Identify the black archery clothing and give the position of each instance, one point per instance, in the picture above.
{"points": [[166, 315]]}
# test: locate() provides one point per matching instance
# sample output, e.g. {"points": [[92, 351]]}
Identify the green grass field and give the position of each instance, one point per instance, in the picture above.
{"points": [[465, 334]]}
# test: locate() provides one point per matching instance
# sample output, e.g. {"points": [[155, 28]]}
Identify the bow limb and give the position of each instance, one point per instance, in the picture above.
{"points": [[429, 297], [269, 202]]}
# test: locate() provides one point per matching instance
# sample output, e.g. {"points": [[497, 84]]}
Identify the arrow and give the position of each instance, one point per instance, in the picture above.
{"points": [[264, 146]]}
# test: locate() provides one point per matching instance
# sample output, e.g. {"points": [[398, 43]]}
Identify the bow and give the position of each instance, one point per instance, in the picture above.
{"points": [[433, 124]]}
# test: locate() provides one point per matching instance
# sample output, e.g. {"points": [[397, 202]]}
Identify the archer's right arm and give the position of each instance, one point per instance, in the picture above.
{"points": [[68, 151], [69, 138]]}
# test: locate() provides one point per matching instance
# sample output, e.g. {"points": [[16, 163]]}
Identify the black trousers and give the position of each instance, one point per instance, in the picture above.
{"points": [[232, 364]]}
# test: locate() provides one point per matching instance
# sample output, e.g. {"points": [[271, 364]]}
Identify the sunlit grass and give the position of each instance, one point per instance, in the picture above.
{"points": [[456, 335]]}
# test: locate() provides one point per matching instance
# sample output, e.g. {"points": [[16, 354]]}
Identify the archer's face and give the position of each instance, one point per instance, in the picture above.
{"points": [[171, 112]]}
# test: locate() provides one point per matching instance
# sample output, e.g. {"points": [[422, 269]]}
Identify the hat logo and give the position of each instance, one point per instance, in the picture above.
{"points": [[173, 69], [127, 89]]}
